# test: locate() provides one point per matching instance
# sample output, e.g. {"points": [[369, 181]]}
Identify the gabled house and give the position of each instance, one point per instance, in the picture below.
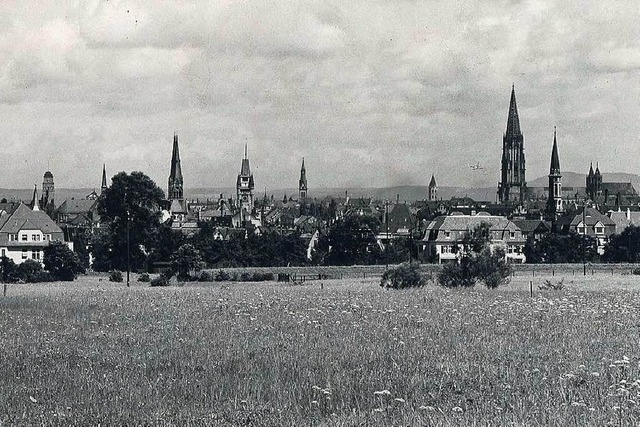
{"points": [[25, 233], [445, 233], [591, 222]]}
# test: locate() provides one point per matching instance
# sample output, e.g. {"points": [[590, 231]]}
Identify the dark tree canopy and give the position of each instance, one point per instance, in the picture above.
{"points": [[350, 241], [556, 248], [624, 247], [61, 262], [137, 198], [477, 263]]}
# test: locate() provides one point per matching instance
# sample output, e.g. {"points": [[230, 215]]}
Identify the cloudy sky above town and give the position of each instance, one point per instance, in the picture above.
{"points": [[370, 93]]}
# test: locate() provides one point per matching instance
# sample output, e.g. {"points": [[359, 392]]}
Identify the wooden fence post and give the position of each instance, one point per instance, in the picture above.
{"points": [[531, 288]]}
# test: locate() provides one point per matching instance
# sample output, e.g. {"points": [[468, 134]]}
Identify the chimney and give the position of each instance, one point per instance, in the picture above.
{"points": [[628, 214]]}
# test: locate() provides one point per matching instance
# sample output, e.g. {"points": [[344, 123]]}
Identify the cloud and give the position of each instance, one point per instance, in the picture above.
{"points": [[369, 92]]}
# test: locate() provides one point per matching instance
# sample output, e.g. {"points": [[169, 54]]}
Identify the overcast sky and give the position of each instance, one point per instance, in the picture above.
{"points": [[370, 93]]}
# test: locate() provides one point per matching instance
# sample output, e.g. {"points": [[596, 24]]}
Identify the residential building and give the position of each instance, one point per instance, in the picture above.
{"points": [[591, 222], [25, 233], [444, 234]]}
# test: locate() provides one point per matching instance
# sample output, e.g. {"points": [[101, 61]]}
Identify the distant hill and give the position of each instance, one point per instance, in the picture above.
{"points": [[408, 193], [573, 179]]}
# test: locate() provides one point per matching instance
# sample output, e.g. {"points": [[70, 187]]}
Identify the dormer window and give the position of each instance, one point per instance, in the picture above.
{"points": [[512, 234], [447, 234]]}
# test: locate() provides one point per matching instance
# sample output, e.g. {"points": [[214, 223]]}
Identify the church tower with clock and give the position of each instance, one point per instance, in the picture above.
{"points": [[245, 186]]}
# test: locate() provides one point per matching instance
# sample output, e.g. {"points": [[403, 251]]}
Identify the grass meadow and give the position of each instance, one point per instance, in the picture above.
{"points": [[345, 354]]}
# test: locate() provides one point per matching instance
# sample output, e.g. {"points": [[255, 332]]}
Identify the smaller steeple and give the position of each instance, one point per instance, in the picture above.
{"points": [[34, 201], [433, 188], [555, 159], [103, 186], [302, 183]]}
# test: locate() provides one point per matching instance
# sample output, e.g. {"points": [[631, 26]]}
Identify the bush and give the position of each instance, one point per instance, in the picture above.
{"points": [[222, 276], [144, 277], [115, 276], [9, 270], [61, 262], [488, 268], [262, 277], [403, 276], [476, 262], [29, 271], [161, 280], [205, 276]]}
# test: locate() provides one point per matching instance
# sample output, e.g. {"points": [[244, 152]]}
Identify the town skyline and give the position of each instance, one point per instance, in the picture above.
{"points": [[371, 95]]}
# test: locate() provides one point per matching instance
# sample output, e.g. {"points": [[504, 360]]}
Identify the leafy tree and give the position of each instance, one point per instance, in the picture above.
{"points": [[9, 270], [61, 262], [187, 258], [556, 248], [477, 263], [100, 248], [624, 247], [134, 199], [31, 271], [350, 241]]}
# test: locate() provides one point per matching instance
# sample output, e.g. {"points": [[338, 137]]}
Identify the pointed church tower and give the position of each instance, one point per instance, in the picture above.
{"points": [[48, 193], [590, 187], [34, 200], [433, 189], [554, 203], [103, 186], [597, 180], [174, 191], [245, 185], [302, 184], [513, 184]]}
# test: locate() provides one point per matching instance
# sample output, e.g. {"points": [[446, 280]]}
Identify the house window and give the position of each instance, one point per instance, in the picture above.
{"points": [[512, 234], [581, 229], [4, 252], [599, 230], [25, 237], [11, 238], [24, 254], [447, 234], [35, 254], [35, 237]]}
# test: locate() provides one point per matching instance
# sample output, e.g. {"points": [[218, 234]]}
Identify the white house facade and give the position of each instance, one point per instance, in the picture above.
{"points": [[445, 234], [25, 233]]}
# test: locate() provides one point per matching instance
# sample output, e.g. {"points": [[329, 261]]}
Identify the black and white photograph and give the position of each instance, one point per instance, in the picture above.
{"points": [[319, 213]]}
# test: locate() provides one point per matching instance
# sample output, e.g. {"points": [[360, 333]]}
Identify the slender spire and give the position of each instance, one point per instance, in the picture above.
{"points": [[432, 183], [175, 177], [513, 122], [103, 186], [245, 170], [555, 159], [591, 168], [34, 201], [597, 168]]}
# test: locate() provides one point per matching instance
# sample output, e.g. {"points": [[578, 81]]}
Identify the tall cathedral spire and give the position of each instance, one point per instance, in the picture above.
{"points": [[175, 190], [512, 184], [513, 122]]}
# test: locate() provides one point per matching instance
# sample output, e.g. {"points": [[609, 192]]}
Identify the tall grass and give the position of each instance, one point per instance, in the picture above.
{"points": [[348, 354]]}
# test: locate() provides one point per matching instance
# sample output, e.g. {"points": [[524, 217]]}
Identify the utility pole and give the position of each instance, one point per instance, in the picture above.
{"points": [[584, 232], [128, 251], [386, 247]]}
